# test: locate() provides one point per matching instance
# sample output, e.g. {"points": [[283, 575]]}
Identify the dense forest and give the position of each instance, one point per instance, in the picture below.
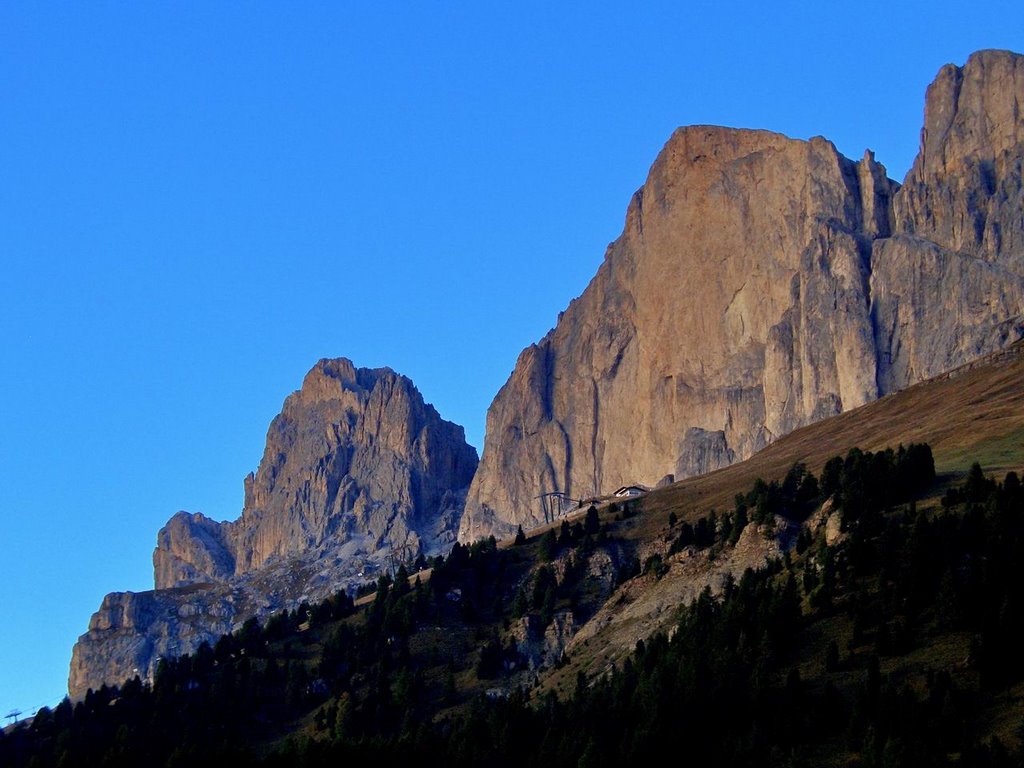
{"points": [[898, 644]]}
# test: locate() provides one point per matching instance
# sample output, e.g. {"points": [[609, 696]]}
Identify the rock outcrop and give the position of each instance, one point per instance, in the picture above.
{"points": [[762, 283], [648, 604], [357, 469]]}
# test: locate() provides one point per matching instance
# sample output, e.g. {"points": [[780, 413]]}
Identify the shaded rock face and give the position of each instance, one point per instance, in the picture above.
{"points": [[192, 549], [947, 286], [357, 469], [702, 452], [964, 189], [762, 283], [131, 631], [354, 455]]}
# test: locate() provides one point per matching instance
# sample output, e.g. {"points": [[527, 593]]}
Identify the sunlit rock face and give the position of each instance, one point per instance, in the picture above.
{"points": [[762, 283]]}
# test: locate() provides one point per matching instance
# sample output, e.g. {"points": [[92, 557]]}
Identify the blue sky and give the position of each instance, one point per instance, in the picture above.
{"points": [[199, 200]]}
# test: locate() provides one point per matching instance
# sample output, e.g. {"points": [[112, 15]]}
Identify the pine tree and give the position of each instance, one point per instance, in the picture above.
{"points": [[548, 546]]}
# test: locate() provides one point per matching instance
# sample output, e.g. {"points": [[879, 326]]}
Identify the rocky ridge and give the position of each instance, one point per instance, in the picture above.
{"points": [[357, 469], [762, 283]]}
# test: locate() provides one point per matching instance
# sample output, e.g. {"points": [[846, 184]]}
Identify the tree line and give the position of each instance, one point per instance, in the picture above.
{"points": [[805, 660]]}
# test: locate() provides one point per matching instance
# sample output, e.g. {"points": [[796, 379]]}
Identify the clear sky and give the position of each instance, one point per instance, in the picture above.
{"points": [[199, 200]]}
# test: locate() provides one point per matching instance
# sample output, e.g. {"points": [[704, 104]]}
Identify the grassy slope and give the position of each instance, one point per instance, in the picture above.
{"points": [[974, 413]]}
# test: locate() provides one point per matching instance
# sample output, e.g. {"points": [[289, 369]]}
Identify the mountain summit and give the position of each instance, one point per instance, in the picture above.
{"points": [[355, 459]]}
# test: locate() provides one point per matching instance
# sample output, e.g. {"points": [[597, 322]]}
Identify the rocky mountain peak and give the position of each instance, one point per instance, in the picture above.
{"points": [[761, 283], [964, 189], [357, 470], [329, 378], [972, 112], [356, 452]]}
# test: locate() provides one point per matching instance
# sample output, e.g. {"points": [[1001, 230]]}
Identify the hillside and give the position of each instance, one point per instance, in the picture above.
{"points": [[973, 413], [875, 638]]}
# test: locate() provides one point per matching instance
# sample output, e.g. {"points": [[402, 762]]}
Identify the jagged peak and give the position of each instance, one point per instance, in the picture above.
{"points": [[330, 377], [972, 111]]}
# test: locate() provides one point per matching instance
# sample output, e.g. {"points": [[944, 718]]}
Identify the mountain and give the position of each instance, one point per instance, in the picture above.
{"points": [[357, 469], [888, 632], [760, 284]]}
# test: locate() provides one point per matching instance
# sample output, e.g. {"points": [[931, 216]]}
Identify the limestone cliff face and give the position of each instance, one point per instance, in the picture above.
{"points": [[762, 283], [192, 549], [131, 631], [356, 468], [733, 308]]}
